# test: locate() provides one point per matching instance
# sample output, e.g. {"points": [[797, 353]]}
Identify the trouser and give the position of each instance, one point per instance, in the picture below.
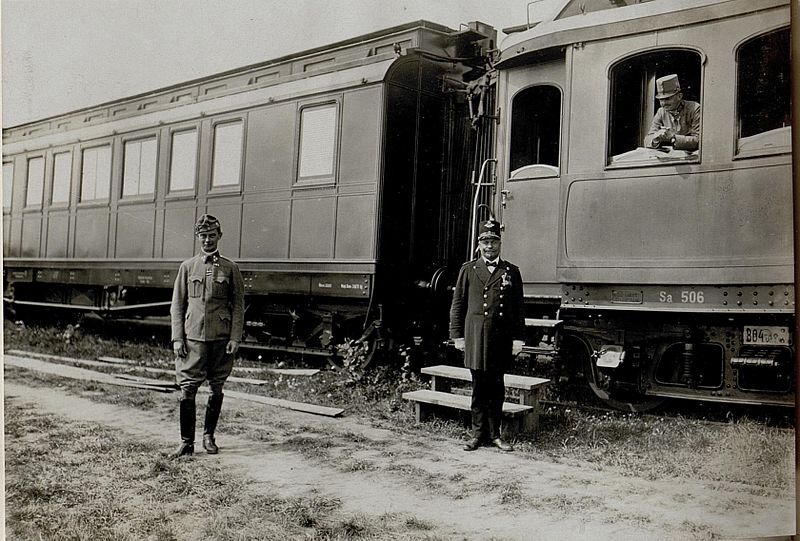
{"points": [[488, 395], [203, 361]]}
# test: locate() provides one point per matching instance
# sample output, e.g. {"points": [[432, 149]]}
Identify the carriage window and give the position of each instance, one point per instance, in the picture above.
{"points": [[641, 130], [96, 173], [139, 173], [183, 164], [8, 184], [535, 132], [763, 95], [62, 175], [317, 143], [228, 144], [35, 189]]}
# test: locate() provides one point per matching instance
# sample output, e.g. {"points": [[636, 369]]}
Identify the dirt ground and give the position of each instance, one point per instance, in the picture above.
{"points": [[485, 494]]}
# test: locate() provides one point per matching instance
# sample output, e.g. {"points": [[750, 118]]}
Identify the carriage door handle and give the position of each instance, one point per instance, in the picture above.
{"points": [[504, 197]]}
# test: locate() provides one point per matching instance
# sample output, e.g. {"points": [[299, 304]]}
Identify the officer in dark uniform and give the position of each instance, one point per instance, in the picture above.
{"points": [[487, 322], [207, 322]]}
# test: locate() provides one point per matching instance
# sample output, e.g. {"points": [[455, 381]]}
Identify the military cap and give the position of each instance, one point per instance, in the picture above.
{"points": [[490, 229], [667, 86], [206, 223]]}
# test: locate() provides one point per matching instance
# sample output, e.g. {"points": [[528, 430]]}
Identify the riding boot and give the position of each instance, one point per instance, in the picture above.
{"points": [[213, 408], [187, 419]]}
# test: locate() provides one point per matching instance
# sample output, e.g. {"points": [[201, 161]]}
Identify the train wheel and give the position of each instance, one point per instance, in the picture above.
{"points": [[577, 353]]}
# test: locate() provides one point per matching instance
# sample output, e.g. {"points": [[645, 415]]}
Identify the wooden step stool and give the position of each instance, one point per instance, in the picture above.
{"points": [[523, 416]]}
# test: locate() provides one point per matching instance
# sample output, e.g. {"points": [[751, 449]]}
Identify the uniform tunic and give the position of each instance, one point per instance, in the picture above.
{"points": [[487, 311], [685, 124], [208, 300]]}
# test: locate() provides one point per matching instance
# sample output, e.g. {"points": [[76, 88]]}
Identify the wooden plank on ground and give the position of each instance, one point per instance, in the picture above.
{"points": [[147, 381], [283, 371], [281, 403], [172, 372], [115, 360], [38, 355], [74, 372]]}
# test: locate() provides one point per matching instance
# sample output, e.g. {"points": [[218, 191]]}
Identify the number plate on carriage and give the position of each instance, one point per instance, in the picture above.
{"points": [[762, 335]]}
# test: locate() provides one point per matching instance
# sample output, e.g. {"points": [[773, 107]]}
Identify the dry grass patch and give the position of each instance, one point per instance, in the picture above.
{"points": [[83, 481]]}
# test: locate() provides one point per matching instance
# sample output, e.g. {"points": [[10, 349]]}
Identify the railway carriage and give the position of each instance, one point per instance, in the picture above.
{"points": [[337, 174], [348, 180], [666, 273]]}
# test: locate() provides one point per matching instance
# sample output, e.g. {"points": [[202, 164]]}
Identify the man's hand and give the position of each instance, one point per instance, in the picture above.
{"points": [[459, 344], [516, 347], [179, 347], [232, 347], [662, 137]]}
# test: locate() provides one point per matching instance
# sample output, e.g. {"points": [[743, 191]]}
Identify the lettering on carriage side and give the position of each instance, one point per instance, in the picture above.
{"points": [[144, 279], [626, 296], [687, 297], [692, 297], [324, 285], [351, 286]]}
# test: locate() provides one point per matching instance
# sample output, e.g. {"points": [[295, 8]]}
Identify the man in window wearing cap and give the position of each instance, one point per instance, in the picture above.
{"points": [[207, 321], [677, 121], [486, 323]]}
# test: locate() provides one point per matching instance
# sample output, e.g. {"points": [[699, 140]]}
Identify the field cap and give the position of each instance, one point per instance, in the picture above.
{"points": [[490, 229], [667, 86], [206, 223]]}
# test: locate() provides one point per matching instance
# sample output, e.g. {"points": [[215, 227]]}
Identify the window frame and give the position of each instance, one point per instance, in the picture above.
{"points": [[138, 138], [40, 204], [329, 179], [534, 171], [61, 204], [185, 192], [91, 147], [737, 153], [227, 188], [648, 94]]}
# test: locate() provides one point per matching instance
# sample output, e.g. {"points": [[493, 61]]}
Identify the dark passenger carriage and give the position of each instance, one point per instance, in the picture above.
{"points": [[338, 175]]}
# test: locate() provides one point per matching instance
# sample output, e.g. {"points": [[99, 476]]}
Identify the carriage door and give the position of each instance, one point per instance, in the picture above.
{"points": [[530, 182]]}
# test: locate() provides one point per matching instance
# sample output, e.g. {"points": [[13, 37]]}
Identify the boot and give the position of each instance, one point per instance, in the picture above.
{"points": [[213, 408], [494, 431], [187, 416]]}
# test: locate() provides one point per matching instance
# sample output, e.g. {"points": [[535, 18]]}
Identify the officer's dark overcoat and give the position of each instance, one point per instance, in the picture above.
{"points": [[487, 310]]}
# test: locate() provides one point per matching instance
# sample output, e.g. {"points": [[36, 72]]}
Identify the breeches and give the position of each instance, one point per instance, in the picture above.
{"points": [[203, 361]]}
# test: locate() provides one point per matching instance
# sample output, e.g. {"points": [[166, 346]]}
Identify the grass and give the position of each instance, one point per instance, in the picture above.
{"points": [[757, 454], [659, 447], [54, 491]]}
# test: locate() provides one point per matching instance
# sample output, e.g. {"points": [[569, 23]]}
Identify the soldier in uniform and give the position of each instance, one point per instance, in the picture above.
{"points": [[207, 322], [486, 323], [677, 121]]}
